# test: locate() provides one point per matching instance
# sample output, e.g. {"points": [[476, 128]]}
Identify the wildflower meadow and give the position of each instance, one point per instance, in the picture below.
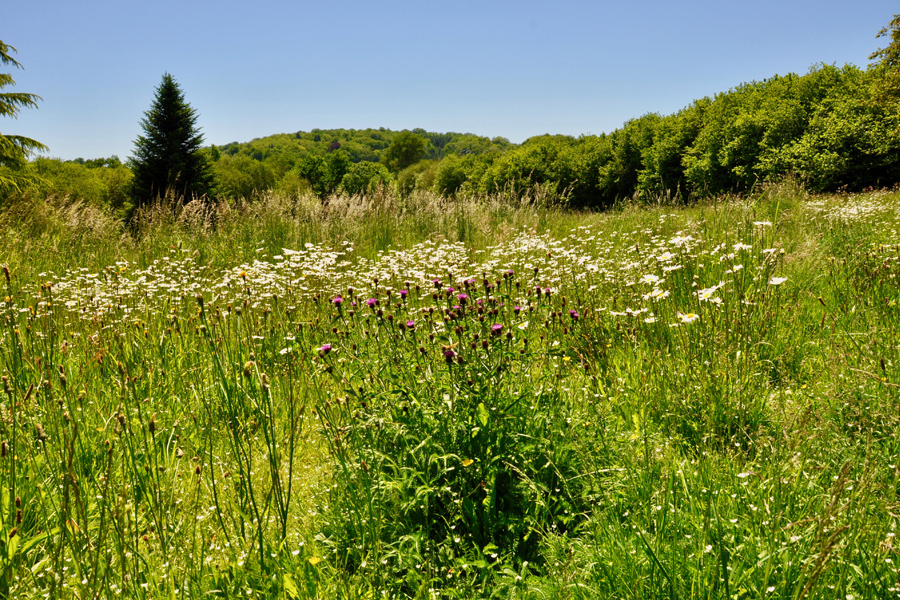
{"points": [[480, 397]]}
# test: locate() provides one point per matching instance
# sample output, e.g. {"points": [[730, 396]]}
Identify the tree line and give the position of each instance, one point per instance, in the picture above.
{"points": [[832, 128]]}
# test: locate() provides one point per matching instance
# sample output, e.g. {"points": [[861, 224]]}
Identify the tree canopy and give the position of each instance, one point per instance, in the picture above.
{"points": [[14, 149], [888, 59], [167, 158], [406, 149]]}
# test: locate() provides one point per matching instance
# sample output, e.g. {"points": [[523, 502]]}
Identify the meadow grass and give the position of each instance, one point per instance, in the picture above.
{"points": [[486, 397]]}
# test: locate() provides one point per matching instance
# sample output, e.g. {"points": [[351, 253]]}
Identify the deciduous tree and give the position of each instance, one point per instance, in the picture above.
{"points": [[406, 149], [888, 60]]}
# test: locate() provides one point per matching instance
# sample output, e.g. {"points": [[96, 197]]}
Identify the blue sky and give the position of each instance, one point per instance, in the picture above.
{"points": [[497, 68]]}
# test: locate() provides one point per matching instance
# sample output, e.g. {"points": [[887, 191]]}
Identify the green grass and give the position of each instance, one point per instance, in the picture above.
{"points": [[661, 402]]}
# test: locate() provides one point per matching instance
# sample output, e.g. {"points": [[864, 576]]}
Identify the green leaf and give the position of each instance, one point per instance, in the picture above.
{"points": [[482, 414], [290, 588]]}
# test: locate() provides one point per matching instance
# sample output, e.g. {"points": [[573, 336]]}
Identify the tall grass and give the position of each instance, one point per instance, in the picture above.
{"points": [[486, 397]]}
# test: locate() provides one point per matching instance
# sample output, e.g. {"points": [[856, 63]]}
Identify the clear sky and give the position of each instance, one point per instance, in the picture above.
{"points": [[491, 67]]}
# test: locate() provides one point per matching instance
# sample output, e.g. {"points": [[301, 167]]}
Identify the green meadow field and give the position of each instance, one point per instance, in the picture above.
{"points": [[488, 396]]}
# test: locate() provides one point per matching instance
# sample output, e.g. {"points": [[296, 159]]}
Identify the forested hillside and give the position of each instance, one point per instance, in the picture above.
{"points": [[833, 128]]}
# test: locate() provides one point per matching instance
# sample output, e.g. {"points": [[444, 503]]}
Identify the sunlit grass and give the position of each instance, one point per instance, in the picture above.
{"points": [[427, 398]]}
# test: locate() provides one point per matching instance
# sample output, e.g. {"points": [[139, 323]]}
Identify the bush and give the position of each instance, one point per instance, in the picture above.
{"points": [[364, 178]]}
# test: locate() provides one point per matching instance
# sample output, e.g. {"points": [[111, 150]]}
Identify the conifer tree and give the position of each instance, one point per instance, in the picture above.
{"points": [[167, 158], [14, 149]]}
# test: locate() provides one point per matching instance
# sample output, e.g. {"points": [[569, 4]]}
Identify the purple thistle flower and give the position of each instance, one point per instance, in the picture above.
{"points": [[337, 301], [325, 349], [371, 302], [410, 324], [403, 293], [517, 310], [437, 283], [496, 329], [463, 298], [574, 315]]}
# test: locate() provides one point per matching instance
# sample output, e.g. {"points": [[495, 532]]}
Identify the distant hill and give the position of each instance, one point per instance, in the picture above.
{"points": [[287, 149]]}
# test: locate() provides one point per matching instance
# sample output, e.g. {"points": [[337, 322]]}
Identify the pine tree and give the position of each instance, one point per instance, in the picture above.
{"points": [[167, 158], [14, 149]]}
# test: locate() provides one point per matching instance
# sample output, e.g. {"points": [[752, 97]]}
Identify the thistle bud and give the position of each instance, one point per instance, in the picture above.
{"points": [[6, 273]]}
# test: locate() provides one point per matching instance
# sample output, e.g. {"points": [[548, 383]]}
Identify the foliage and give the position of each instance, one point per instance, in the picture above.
{"points": [[325, 174], [242, 177], [850, 140], [406, 149], [167, 159], [419, 176], [887, 61], [14, 149], [662, 173], [102, 182], [364, 178]]}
